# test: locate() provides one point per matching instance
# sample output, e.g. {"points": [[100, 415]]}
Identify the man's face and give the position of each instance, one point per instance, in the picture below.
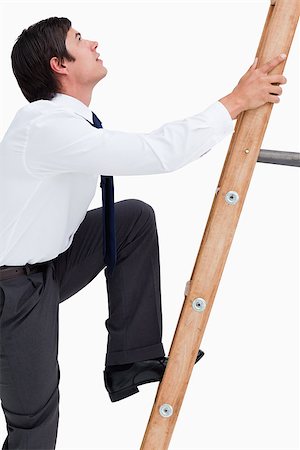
{"points": [[87, 69]]}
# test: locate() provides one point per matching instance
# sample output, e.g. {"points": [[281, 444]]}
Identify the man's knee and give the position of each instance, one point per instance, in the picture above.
{"points": [[141, 210], [34, 416]]}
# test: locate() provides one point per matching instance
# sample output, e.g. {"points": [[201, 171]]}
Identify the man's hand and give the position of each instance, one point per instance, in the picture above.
{"points": [[255, 88]]}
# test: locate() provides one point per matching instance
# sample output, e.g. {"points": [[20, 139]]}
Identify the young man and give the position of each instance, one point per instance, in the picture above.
{"points": [[51, 246]]}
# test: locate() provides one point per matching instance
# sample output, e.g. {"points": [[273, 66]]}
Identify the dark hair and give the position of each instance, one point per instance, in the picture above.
{"points": [[31, 54]]}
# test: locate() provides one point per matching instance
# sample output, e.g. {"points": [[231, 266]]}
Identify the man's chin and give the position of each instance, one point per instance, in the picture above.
{"points": [[103, 73]]}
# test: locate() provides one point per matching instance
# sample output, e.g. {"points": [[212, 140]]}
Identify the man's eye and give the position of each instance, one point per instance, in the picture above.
{"points": [[79, 38]]}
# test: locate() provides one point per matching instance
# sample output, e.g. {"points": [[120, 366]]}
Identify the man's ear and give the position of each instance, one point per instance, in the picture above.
{"points": [[55, 65]]}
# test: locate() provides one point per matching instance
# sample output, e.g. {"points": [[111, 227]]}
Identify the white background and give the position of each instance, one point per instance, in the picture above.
{"points": [[167, 61]]}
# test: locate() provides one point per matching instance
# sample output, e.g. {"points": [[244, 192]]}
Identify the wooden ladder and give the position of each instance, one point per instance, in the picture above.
{"points": [[243, 153]]}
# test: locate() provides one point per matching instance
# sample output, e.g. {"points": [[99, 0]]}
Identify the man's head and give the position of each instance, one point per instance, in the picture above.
{"points": [[50, 56]]}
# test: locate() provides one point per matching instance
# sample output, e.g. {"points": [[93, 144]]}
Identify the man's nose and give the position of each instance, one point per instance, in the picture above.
{"points": [[94, 44]]}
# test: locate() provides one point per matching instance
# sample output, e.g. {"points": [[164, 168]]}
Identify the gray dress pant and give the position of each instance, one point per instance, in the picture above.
{"points": [[29, 305]]}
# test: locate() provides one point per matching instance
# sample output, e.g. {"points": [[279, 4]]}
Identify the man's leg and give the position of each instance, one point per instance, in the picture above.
{"points": [[135, 320], [29, 370]]}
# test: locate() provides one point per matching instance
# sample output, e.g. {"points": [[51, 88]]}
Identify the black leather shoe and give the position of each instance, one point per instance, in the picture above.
{"points": [[122, 382]]}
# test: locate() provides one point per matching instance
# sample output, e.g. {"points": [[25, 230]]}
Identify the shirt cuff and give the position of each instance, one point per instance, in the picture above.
{"points": [[219, 118]]}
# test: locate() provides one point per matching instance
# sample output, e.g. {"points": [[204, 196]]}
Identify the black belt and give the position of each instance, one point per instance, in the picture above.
{"points": [[7, 272]]}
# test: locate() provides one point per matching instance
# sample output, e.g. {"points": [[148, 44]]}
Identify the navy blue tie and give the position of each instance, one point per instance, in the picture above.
{"points": [[108, 214]]}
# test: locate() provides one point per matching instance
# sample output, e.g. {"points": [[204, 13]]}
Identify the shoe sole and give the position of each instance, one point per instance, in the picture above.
{"points": [[123, 393], [131, 390]]}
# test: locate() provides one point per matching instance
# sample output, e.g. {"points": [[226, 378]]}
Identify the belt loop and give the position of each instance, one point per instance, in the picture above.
{"points": [[27, 269]]}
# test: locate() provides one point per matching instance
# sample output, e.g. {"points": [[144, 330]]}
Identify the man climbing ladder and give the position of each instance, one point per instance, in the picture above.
{"points": [[52, 154]]}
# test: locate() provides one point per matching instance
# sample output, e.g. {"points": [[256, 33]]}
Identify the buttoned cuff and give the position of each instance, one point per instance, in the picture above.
{"points": [[219, 118]]}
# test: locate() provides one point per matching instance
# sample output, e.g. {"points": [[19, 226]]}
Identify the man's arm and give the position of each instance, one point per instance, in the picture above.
{"points": [[75, 146]]}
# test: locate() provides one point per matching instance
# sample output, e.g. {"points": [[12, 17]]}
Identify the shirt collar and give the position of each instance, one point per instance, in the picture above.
{"points": [[75, 105]]}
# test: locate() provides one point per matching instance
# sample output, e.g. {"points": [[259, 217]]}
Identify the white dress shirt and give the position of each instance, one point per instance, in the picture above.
{"points": [[51, 158]]}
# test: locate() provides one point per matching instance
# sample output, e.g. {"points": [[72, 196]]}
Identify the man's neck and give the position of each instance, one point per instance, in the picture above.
{"points": [[84, 96]]}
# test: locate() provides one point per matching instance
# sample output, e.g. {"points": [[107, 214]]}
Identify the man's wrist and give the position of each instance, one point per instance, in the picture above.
{"points": [[232, 104]]}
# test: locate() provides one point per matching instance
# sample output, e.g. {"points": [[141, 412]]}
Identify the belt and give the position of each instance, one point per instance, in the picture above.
{"points": [[7, 272]]}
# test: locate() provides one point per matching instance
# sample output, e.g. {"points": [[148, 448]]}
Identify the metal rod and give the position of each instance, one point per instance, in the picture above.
{"points": [[279, 157]]}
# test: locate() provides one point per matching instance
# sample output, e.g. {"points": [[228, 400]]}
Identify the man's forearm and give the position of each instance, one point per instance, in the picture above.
{"points": [[233, 104]]}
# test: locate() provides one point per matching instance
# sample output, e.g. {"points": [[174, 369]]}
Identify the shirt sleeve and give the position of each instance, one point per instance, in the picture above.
{"points": [[64, 142]]}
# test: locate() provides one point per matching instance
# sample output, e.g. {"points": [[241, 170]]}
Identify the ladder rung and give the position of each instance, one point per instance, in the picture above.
{"points": [[279, 157]]}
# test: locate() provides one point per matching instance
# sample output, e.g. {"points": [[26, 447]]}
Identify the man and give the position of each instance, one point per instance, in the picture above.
{"points": [[51, 246]]}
